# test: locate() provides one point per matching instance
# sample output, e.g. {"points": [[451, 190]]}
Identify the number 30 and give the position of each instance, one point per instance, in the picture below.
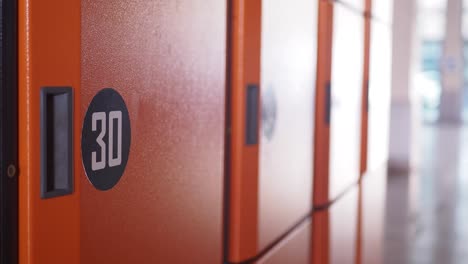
{"points": [[112, 161]]}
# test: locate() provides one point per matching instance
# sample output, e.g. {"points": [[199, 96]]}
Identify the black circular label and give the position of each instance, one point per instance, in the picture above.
{"points": [[105, 139]]}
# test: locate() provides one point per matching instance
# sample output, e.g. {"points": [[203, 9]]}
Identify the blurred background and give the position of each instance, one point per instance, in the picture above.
{"points": [[426, 207]]}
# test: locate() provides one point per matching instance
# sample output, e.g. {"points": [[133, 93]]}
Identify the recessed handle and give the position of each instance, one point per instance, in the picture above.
{"points": [[56, 141], [251, 114]]}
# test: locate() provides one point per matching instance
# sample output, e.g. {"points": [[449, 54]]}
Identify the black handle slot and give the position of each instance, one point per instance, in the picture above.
{"points": [[251, 114], [56, 141]]}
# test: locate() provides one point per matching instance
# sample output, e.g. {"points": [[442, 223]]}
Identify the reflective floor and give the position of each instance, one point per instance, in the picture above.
{"points": [[427, 212]]}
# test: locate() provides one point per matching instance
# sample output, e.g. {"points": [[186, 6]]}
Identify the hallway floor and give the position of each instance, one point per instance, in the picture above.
{"points": [[427, 212]]}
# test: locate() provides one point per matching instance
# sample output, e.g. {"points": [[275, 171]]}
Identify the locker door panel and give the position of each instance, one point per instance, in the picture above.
{"points": [[346, 86], [288, 66], [271, 181], [295, 248], [379, 96], [383, 10], [242, 158], [373, 216], [322, 104], [334, 232], [167, 60], [343, 223], [48, 56], [357, 5]]}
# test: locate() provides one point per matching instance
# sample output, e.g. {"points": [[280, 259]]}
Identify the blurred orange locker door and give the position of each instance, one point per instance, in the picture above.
{"points": [[379, 93], [342, 222], [8, 133], [334, 231], [338, 128], [377, 86], [373, 185], [294, 248], [372, 217], [137, 177], [365, 89], [346, 92], [338, 122], [272, 112]]}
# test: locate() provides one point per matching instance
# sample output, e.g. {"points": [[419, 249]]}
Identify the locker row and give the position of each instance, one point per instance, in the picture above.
{"points": [[194, 131]]}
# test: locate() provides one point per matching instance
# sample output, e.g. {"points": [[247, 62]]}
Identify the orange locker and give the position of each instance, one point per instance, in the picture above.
{"points": [[379, 95], [382, 10], [338, 131], [356, 5], [365, 88], [272, 112], [294, 248], [372, 199], [375, 133], [339, 99], [334, 232], [377, 86], [346, 91], [137, 177], [48, 56]]}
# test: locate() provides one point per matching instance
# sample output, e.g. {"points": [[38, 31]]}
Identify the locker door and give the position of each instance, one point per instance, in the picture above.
{"points": [[288, 69], [365, 91], [323, 105], [346, 92], [8, 133], [382, 10], [294, 248], [372, 217], [357, 5], [49, 58], [273, 78], [343, 235], [167, 61], [165, 64], [379, 95], [334, 232]]}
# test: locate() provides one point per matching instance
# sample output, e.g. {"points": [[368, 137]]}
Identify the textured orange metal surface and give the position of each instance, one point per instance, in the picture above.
{"points": [[243, 175], [167, 59], [322, 128], [289, 47], [295, 248], [49, 55], [346, 94]]}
